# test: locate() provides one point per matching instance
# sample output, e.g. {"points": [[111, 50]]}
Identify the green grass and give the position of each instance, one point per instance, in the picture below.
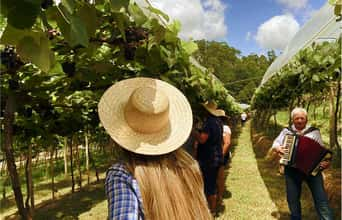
{"points": [[73, 206], [254, 190], [42, 185], [275, 183], [246, 195]]}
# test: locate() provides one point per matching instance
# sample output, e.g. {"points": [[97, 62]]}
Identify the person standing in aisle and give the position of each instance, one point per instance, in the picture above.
{"points": [[209, 151], [154, 178], [294, 177], [226, 140], [243, 118]]}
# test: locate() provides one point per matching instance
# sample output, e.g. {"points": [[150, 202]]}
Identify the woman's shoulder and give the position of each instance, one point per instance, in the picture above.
{"points": [[119, 170], [226, 129]]}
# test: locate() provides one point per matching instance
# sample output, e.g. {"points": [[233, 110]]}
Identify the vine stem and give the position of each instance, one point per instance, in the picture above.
{"points": [[46, 24], [61, 12]]}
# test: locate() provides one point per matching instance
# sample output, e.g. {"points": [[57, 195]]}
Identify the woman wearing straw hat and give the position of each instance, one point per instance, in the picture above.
{"points": [[155, 179], [209, 151]]}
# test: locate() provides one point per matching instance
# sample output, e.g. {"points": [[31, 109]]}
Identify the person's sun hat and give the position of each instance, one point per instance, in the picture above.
{"points": [[221, 113], [146, 116], [211, 107]]}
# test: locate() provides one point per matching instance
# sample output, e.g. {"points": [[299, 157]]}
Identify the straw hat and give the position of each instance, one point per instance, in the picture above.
{"points": [[221, 113], [146, 116], [211, 107]]}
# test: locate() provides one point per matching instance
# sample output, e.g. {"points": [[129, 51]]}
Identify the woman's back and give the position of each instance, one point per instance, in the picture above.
{"points": [[170, 184], [151, 119]]}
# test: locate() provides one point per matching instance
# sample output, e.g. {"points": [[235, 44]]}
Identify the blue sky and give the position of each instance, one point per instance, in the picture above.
{"points": [[243, 17], [251, 26]]}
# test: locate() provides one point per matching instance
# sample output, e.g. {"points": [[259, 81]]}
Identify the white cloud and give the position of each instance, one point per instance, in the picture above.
{"points": [[308, 13], [277, 32], [293, 4], [248, 36], [199, 19]]}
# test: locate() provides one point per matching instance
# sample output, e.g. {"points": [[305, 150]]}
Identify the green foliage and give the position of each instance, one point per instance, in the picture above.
{"points": [[20, 13], [338, 6], [311, 71], [73, 51], [237, 73], [31, 46], [247, 92]]}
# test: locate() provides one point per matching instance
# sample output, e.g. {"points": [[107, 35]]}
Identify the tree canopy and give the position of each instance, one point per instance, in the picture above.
{"points": [[239, 74]]}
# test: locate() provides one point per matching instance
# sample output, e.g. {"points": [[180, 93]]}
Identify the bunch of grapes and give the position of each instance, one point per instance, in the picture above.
{"points": [[27, 112], [52, 33], [10, 59], [45, 110], [46, 4], [135, 36], [69, 68]]}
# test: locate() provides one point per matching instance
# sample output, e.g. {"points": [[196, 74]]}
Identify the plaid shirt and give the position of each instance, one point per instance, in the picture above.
{"points": [[123, 195]]}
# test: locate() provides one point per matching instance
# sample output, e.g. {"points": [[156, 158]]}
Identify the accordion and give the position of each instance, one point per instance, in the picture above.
{"points": [[304, 154]]}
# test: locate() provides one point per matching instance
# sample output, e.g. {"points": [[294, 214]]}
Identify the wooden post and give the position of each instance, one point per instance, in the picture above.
{"points": [[78, 165], [87, 155], [65, 149], [29, 204], [52, 173], [8, 149], [332, 131], [71, 142]]}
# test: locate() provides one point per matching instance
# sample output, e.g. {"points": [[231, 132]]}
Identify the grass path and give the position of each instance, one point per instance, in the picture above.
{"points": [[253, 191], [247, 196]]}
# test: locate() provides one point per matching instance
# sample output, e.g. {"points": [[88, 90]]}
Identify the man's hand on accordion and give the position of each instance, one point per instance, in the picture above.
{"points": [[324, 164], [280, 150]]}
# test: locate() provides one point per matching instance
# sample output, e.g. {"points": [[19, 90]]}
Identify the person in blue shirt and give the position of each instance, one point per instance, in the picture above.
{"points": [[153, 178], [209, 151]]}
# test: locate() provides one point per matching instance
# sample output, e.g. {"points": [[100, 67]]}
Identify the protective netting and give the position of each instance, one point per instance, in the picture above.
{"points": [[323, 26]]}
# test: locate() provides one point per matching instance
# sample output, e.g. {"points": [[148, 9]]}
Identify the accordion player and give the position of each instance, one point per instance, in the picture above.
{"points": [[304, 154]]}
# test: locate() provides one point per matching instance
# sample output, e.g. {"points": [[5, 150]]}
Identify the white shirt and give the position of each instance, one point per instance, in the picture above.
{"points": [[243, 116], [314, 135], [226, 130]]}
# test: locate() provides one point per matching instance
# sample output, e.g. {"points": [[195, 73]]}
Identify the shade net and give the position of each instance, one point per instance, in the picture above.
{"points": [[323, 26]]}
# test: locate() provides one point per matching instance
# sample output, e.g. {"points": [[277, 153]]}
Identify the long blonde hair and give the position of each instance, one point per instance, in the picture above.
{"points": [[171, 186]]}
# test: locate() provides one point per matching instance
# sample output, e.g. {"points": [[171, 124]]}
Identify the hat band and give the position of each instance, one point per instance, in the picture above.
{"points": [[144, 122]]}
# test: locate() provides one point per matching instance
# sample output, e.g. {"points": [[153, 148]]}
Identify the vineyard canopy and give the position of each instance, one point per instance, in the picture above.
{"points": [[323, 26]]}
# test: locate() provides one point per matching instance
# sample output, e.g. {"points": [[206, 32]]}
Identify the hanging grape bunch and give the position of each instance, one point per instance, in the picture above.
{"points": [[10, 59], [45, 110], [135, 36], [69, 68], [46, 4], [52, 33]]}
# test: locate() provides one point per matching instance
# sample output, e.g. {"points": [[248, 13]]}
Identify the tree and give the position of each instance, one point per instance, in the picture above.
{"points": [[232, 69]]}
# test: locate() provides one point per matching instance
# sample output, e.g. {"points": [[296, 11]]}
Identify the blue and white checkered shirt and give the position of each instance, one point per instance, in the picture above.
{"points": [[123, 195]]}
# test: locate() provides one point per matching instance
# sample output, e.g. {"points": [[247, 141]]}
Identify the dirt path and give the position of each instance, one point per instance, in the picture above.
{"points": [[246, 195]]}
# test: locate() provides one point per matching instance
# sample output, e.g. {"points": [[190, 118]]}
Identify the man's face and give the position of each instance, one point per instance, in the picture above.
{"points": [[299, 120]]}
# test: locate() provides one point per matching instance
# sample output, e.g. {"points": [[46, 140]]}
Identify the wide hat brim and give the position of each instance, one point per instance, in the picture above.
{"points": [[111, 114], [215, 112]]}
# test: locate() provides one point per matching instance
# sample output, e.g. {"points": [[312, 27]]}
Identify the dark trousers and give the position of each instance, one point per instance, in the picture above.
{"points": [[294, 179], [209, 174]]}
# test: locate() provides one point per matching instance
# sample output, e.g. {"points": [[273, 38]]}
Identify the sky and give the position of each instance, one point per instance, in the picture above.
{"points": [[251, 26]]}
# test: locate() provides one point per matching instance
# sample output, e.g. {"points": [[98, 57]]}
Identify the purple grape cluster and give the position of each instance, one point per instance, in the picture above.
{"points": [[10, 59]]}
